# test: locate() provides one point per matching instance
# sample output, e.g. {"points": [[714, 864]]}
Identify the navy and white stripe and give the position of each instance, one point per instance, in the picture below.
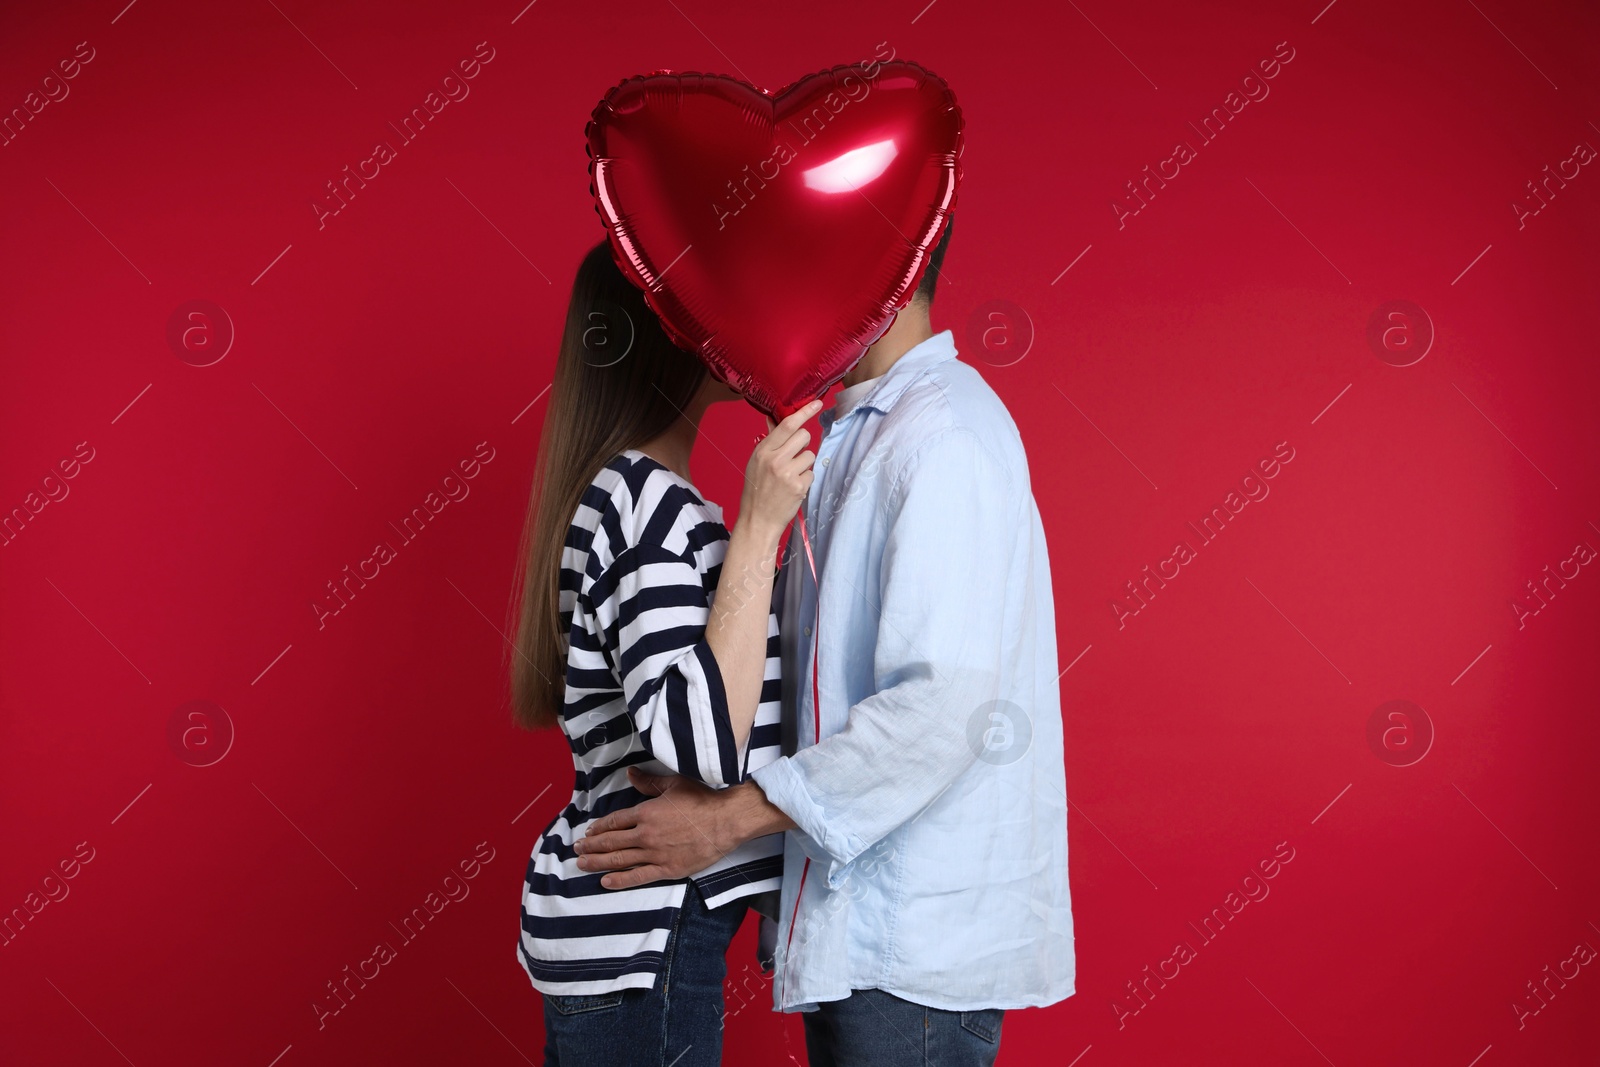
{"points": [[642, 560]]}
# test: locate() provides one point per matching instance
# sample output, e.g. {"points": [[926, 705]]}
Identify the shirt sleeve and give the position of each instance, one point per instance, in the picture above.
{"points": [[653, 606], [952, 522]]}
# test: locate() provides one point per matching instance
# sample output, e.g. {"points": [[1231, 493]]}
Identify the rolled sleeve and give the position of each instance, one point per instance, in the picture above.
{"points": [[785, 788], [669, 675]]}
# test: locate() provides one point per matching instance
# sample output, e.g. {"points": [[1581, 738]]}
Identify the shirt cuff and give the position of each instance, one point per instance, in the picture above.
{"points": [[784, 787]]}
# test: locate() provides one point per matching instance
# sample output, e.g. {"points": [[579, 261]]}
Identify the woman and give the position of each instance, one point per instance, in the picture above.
{"points": [[646, 633]]}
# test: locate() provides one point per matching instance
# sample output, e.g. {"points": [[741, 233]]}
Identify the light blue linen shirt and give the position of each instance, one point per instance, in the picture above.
{"points": [[933, 810]]}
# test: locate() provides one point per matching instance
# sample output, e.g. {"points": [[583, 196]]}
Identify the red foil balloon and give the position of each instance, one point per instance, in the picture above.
{"points": [[776, 234]]}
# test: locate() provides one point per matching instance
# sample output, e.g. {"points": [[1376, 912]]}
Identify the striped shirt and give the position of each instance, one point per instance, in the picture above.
{"points": [[638, 575]]}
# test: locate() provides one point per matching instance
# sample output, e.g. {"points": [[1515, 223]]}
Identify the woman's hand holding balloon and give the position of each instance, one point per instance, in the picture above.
{"points": [[778, 476]]}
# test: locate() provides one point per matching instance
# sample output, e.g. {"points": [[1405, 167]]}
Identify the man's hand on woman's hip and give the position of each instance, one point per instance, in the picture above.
{"points": [[685, 828]]}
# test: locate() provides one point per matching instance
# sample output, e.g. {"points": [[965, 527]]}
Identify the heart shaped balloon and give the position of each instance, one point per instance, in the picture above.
{"points": [[777, 234]]}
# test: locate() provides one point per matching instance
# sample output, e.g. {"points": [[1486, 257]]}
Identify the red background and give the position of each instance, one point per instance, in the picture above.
{"points": [[372, 755]]}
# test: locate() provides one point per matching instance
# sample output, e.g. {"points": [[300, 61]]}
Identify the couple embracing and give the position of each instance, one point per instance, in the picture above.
{"points": [[861, 742]]}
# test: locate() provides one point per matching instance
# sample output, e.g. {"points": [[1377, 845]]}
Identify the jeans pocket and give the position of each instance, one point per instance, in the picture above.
{"points": [[985, 1024], [574, 1005]]}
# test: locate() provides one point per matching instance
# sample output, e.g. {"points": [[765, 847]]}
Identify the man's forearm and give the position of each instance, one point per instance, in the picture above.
{"points": [[744, 813]]}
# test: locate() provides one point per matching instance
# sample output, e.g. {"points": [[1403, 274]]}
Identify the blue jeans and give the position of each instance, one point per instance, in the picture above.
{"points": [[677, 1023], [871, 1028]]}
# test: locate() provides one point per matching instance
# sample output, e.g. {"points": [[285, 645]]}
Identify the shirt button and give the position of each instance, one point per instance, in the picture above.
{"points": [[826, 460], [808, 631]]}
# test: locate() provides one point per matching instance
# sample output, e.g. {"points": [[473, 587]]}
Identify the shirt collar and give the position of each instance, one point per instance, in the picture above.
{"points": [[907, 369]]}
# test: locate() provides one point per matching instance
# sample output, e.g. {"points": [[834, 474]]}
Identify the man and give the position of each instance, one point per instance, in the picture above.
{"points": [[925, 870]]}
